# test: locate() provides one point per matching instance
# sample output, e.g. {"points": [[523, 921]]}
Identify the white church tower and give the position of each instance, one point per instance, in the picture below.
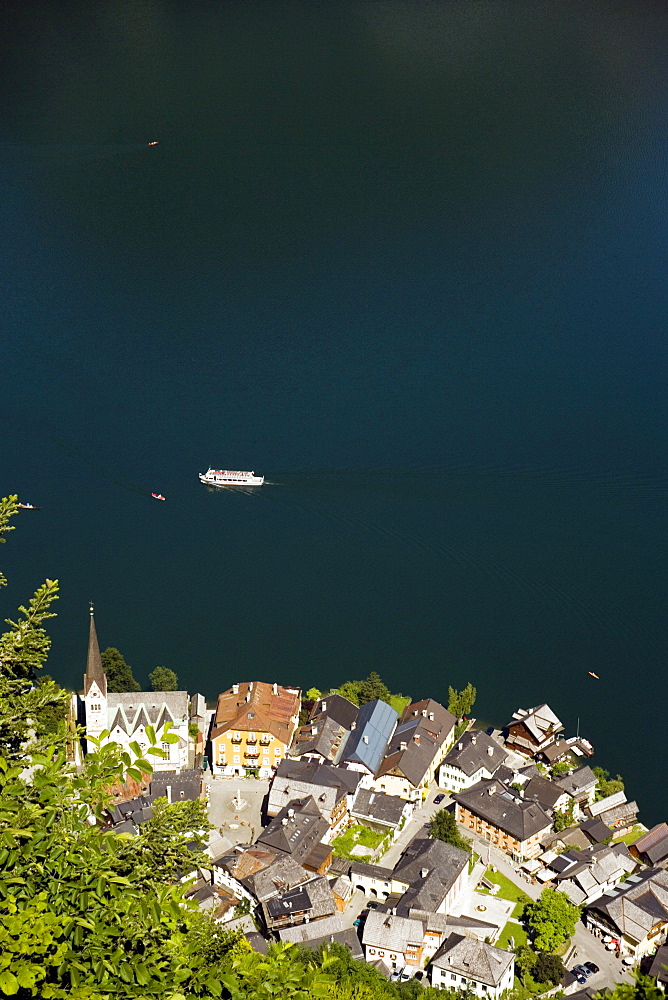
{"points": [[95, 685]]}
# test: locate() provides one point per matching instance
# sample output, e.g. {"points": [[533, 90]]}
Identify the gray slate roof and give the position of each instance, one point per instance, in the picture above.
{"points": [[504, 808], [473, 959], [378, 807], [366, 743], [322, 736], [545, 792], [391, 932], [338, 708], [433, 855], [474, 750], [187, 782], [371, 871], [659, 967], [296, 830], [421, 732], [577, 782], [637, 905], [130, 710]]}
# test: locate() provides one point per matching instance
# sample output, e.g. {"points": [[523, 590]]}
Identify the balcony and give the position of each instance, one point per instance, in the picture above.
{"points": [[252, 754], [235, 739], [251, 741]]}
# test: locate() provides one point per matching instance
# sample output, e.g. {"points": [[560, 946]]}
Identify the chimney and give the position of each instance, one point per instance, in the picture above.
{"points": [[424, 713], [168, 792], [424, 872], [417, 739], [490, 751], [431, 716], [365, 739], [275, 688], [235, 689], [473, 740], [460, 746], [314, 730], [324, 706], [491, 790], [353, 725], [402, 746], [248, 696], [284, 822], [250, 686], [291, 814]]}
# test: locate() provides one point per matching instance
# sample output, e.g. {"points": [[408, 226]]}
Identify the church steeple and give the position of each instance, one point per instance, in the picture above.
{"points": [[94, 669]]}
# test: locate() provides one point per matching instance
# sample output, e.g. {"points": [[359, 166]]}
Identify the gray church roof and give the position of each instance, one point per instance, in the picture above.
{"points": [[129, 710], [366, 743]]}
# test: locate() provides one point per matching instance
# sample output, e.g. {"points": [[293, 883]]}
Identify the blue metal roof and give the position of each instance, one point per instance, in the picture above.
{"points": [[376, 722]]}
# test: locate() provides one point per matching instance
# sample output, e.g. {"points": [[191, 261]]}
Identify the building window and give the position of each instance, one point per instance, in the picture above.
{"points": [[265, 761], [277, 751], [165, 746], [453, 976], [236, 758]]}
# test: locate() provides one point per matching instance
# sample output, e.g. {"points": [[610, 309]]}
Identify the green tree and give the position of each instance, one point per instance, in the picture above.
{"points": [[373, 688], [561, 767], [564, 818], [552, 919], [444, 827], [644, 988], [349, 690], [163, 679], [525, 959], [548, 968], [313, 694], [460, 703], [607, 785], [119, 673]]}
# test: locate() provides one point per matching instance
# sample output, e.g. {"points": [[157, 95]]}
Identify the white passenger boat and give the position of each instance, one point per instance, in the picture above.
{"points": [[224, 477]]}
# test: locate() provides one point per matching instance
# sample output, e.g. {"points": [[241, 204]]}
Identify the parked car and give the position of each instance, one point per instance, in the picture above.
{"points": [[439, 798], [593, 968], [405, 975], [394, 975], [372, 904], [581, 973]]}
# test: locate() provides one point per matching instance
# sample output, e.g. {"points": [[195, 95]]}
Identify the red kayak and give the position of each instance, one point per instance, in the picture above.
{"points": [[157, 496]]}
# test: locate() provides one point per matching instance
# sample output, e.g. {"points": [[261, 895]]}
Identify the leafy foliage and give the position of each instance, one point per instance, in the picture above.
{"points": [[163, 679], [444, 827], [552, 918], [644, 988], [119, 673], [313, 694], [361, 692], [460, 703], [561, 767], [548, 968], [605, 784]]}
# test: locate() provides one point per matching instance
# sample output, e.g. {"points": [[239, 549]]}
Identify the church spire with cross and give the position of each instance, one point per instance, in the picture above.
{"points": [[94, 669]]}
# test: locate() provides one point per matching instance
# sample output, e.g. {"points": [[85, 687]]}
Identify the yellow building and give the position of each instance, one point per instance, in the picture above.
{"points": [[253, 728]]}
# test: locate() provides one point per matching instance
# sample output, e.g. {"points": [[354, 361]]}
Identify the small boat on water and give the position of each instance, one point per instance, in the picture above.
{"points": [[592, 674], [226, 477], [153, 143], [157, 496], [27, 506]]}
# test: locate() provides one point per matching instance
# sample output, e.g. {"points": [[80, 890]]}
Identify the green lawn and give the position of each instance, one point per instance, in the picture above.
{"points": [[507, 889], [353, 836], [511, 930], [399, 702], [631, 837]]}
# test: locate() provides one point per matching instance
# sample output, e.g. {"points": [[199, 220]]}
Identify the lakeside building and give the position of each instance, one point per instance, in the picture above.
{"points": [[253, 727], [531, 730], [126, 716], [323, 737], [475, 757], [423, 735], [365, 746]]}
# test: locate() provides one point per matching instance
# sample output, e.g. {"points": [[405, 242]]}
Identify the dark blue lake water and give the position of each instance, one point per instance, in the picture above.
{"points": [[407, 260]]}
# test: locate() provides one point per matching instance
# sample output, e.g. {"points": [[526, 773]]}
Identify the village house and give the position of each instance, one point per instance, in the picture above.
{"points": [[475, 757], [379, 812], [592, 872], [472, 966], [327, 930], [652, 847], [298, 831], [332, 788], [365, 746], [322, 738], [581, 786], [502, 816], [310, 901], [551, 796], [424, 734], [531, 730], [659, 968], [253, 728], [397, 941], [634, 914], [429, 877]]}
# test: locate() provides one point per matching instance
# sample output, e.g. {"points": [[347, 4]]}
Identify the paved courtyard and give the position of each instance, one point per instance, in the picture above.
{"points": [[235, 807]]}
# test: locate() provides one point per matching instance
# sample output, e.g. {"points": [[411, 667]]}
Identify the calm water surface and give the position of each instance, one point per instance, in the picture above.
{"points": [[406, 259]]}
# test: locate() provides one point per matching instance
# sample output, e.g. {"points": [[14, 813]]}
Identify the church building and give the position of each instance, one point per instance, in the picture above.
{"points": [[126, 715]]}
